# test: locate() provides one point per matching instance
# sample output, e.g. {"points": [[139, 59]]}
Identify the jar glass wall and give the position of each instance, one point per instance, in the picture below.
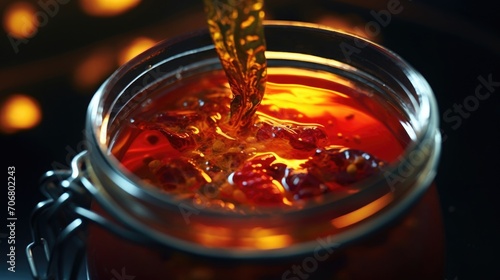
{"points": [[389, 227]]}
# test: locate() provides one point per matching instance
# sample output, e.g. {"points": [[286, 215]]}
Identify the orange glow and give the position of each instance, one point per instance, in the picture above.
{"points": [[363, 212], [313, 102], [256, 238], [107, 8], [136, 47], [19, 20], [19, 112], [273, 242], [268, 239], [94, 69], [213, 236]]}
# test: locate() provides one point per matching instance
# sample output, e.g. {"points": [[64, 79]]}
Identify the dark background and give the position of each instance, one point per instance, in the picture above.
{"points": [[451, 43]]}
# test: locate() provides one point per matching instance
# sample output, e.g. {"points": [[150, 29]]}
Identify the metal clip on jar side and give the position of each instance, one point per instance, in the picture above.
{"points": [[58, 224]]}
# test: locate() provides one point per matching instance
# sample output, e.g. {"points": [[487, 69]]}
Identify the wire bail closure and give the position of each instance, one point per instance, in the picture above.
{"points": [[58, 224], [54, 229]]}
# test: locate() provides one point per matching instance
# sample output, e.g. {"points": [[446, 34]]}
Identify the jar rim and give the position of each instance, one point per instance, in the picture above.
{"points": [[427, 139]]}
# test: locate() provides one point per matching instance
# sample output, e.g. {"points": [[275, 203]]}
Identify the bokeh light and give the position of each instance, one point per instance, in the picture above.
{"points": [[94, 69], [19, 112], [107, 8], [19, 20], [135, 47]]}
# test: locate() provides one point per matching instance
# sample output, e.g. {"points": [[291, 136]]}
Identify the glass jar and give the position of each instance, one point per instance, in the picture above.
{"points": [[390, 228]]}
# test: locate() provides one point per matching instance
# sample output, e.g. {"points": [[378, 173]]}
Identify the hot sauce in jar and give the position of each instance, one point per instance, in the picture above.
{"points": [[328, 178]]}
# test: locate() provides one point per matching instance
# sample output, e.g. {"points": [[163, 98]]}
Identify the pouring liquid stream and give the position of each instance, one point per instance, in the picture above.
{"points": [[238, 35]]}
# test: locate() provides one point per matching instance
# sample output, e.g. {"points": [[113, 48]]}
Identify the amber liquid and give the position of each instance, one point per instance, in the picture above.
{"points": [[178, 141]]}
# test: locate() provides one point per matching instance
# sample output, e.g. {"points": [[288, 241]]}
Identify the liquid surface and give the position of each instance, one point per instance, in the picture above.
{"points": [[311, 135]]}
